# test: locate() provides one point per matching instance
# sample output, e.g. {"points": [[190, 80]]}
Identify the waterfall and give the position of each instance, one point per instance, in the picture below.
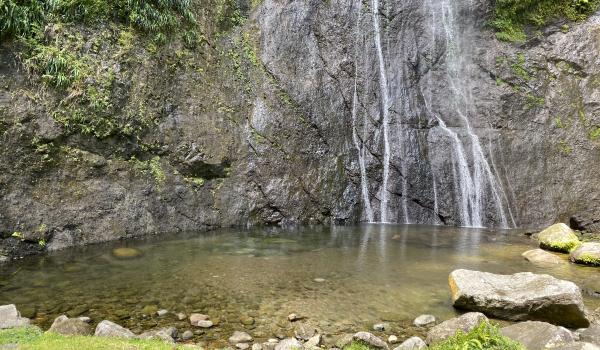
{"points": [[474, 181], [385, 105], [358, 144]]}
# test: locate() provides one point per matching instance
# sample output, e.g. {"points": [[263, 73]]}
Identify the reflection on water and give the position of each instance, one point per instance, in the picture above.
{"points": [[372, 273]]}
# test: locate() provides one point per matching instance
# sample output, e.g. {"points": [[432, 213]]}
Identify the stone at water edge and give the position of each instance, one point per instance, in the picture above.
{"points": [[542, 258], [165, 334], [187, 335], [558, 237], [591, 334], [424, 320], [380, 327], [195, 318], [577, 346], [535, 335], [413, 343], [586, 254], [292, 317], [313, 342], [392, 339], [110, 329], [304, 331], [240, 337], [70, 326], [446, 329], [289, 344], [370, 340], [11, 318], [519, 297], [242, 346], [205, 324]]}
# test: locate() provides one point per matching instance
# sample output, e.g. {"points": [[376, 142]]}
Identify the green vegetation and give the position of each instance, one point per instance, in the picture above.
{"points": [[512, 16], [589, 259], [32, 338], [484, 337]]}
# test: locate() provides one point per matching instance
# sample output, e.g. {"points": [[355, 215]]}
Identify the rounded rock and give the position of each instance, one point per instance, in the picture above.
{"points": [[424, 320], [126, 253]]}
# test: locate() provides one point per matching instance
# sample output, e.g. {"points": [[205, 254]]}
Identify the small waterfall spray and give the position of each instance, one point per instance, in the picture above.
{"points": [[383, 83], [359, 144]]}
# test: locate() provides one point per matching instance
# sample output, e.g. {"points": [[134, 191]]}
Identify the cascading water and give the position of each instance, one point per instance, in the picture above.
{"points": [[385, 105]]}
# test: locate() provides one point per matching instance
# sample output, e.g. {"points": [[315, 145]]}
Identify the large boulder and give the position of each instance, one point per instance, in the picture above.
{"points": [[519, 297], [559, 238], [586, 254], [447, 329], [70, 326], [541, 257], [110, 329], [11, 318], [536, 335]]}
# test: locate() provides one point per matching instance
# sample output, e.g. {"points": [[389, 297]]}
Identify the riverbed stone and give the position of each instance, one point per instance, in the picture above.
{"points": [[313, 342], [126, 253], [162, 312], [535, 335], [257, 346], [240, 337], [446, 329], [205, 324], [392, 339], [343, 340], [289, 344], [195, 318], [424, 320], [542, 258], [11, 318], [591, 334], [559, 238], [110, 329], [519, 297], [380, 327], [187, 335], [413, 343], [304, 331], [165, 334], [70, 326], [586, 254], [370, 339], [577, 346], [242, 346]]}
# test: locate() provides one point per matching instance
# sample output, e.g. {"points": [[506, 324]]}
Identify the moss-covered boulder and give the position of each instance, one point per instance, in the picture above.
{"points": [[559, 238], [587, 254]]}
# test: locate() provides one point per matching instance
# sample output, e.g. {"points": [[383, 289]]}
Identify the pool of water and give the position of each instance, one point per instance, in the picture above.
{"points": [[340, 278]]}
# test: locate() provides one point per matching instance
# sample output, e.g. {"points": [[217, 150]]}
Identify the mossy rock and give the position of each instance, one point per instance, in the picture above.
{"points": [[587, 254], [558, 238], [126, 253]]}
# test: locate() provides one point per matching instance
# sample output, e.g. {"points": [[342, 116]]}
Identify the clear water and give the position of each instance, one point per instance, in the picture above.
{"points": [[372, 273]]}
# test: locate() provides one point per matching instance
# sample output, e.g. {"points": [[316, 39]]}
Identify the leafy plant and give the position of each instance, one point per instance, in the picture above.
{"points": [[483, 337]]}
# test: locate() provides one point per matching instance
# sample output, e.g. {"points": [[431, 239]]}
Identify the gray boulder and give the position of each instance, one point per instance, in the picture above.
{"points": [[165, 334], [586, 254], [70, 326], [559, 238], [536, 335], [11, 318], [446, 329], [413, 343], [110, 329], [519, 297], [541, 257], [289, 344], [370, 339], [591, 334]]}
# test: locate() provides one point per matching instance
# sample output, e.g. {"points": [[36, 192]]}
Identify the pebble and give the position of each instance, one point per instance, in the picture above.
{"points": [[162, 312], [242, 346], [187, 335], [256, 346], [393, 339], [424, 320], [204, 324], [181, 316], [85, 319], [240, 337], [380, 327], [292, 317], [319, 280], [195, 318]]}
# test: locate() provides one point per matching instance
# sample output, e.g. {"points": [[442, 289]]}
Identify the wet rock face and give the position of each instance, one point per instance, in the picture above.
{"points": [[295, 133]]}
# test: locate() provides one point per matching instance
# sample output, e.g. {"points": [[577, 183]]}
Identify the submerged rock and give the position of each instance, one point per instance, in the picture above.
{"points": [[187, 335], [541, 257], [558, 237], [370, 339], [110, 329], [586, 254], [240, 337], [313, 342], [195, 318], [519, 297], [70, 326], [413, 343], [380, 327], [424, 320], [535, 335], [11, 318], [446, 329], [126, 253]]}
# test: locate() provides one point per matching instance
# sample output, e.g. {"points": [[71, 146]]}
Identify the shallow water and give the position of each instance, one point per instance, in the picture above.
{"points": [[372, 273]]}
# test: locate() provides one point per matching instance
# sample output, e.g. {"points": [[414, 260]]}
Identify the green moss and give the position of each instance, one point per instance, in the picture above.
{"points": [[196, 181], [561, 246], [32, 338], [156, 170], [485, 336], [589, 259], [512, 16], [565, 148]]}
